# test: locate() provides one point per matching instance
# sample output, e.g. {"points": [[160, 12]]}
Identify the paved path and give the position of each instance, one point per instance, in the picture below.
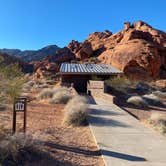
{"points": [[123, 140]]}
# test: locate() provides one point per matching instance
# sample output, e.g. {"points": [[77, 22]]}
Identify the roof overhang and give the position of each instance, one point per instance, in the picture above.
{"points": [[88, 69]]}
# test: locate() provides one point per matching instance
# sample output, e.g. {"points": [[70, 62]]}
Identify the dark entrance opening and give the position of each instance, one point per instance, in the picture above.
{"points": [[79, 82], [81, 86]]}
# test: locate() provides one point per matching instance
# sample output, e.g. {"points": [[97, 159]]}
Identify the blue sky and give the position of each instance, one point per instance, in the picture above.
{"points": [[32, 24]]}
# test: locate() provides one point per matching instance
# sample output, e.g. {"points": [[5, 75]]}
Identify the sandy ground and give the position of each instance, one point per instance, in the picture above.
{"points": [[62, 145]]}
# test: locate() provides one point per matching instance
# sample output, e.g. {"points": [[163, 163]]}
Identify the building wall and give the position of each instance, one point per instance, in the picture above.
{"points": [[79, 82]]}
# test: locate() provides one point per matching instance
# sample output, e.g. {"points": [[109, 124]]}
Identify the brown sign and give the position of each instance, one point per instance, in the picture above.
{"points": [[19, 106]]}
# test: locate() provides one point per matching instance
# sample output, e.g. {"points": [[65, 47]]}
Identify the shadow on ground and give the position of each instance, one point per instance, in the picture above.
{"points": [[73, 149], [101, 121], [102, 112], [122, 156]]}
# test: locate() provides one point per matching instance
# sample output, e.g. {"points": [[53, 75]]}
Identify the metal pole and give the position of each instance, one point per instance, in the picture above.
{"points": [[14, 119]]}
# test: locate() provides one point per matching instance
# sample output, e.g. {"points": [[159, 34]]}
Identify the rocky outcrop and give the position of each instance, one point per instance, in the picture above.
{"points": [[50, 65], [6, 59], [137, 58], [139, 50], [81, 50]]}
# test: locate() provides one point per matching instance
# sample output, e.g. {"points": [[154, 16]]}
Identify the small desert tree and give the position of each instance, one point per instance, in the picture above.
{"points": [[11, 82]]}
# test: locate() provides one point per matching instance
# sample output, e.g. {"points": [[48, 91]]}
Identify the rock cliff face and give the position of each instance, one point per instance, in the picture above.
{"points": [[50, 65], [139, 50]]}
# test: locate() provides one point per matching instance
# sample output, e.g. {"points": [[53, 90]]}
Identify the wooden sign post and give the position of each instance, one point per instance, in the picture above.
{"points": [[20, 105]]}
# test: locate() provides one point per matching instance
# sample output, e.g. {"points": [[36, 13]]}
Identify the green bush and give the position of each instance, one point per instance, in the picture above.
{"points": [[76, 111], [11, 83]]}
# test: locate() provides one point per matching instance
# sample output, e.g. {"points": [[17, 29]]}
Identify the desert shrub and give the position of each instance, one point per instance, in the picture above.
{"points": [[61, 95], [64, 89], [11, 82], [50, 82], [121, 83], [76, 111], [60, 98], [12, 145], [152, 100], [28, 85], [144, 87], [160, 94], [45, 94], [137, 101], [43, 86], [156, 117], [158, 121], [49, 93], [2, 107]]}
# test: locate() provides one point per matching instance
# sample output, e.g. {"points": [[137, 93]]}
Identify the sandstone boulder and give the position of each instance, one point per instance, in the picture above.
{"points": [[137, 58]]}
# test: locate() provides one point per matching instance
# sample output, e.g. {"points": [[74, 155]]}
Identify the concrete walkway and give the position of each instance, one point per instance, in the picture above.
{"points": [[123, 140]]}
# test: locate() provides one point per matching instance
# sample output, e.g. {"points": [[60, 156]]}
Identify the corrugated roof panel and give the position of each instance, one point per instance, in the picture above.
{"points": [[68, 68], [81, 68]]}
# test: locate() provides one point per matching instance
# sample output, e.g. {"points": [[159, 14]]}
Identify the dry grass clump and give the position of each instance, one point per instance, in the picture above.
{"points": [[12, 146], [137, 101], [60, 97], [152, 100], [45, 94], [2, 107], [158, 121], [56, 95], [76, 111], [27, 86], [121, 83], [160, 94], [50, 82]]}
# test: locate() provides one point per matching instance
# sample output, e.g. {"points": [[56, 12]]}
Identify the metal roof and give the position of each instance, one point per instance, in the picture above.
{"points": [[101, 69]]}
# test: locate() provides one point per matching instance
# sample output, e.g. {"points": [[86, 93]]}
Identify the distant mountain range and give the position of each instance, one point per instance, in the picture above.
{"points": [[31, 55]]}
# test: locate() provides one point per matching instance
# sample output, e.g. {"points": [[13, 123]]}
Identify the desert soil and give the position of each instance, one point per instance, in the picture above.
{"points": [[63, 145]]}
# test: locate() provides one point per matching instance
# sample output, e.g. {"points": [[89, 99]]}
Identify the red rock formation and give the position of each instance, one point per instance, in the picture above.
{"points": [[139, 50], [50, 65]]}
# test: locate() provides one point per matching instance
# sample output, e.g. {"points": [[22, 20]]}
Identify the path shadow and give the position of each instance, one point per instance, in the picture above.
{"points": [[122, 156], [93, 111], [101, 121], [91, 100], [130, 113], [73, 149]]}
